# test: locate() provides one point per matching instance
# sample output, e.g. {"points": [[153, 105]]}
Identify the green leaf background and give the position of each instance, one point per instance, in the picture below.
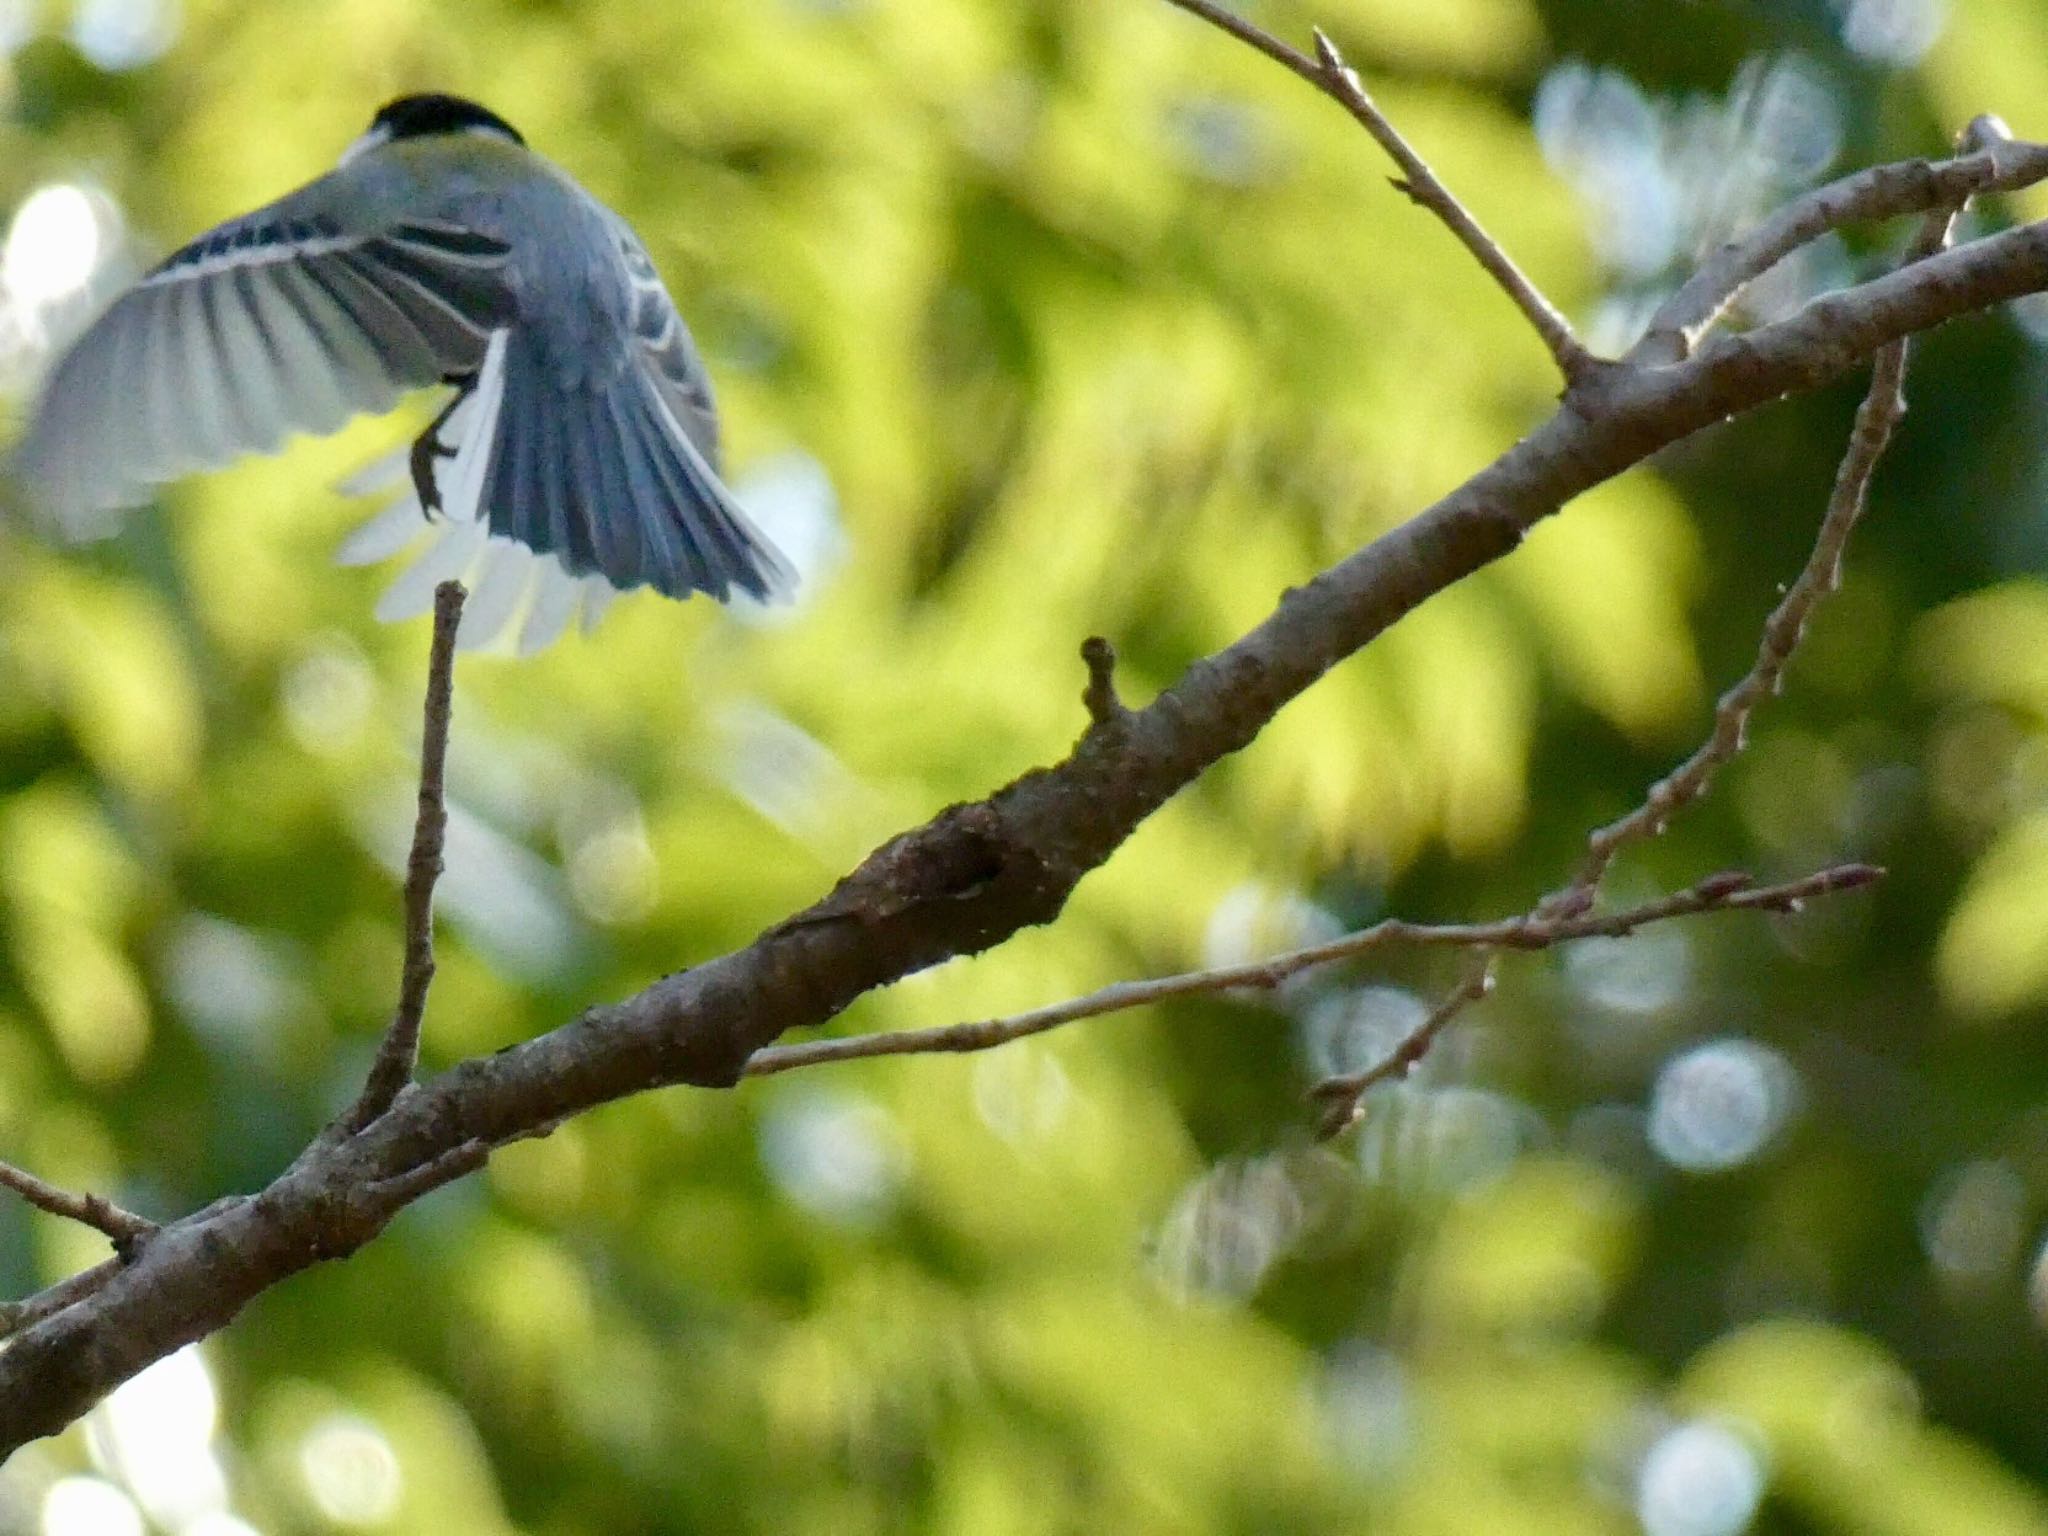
{"points": [[1093, 322]]}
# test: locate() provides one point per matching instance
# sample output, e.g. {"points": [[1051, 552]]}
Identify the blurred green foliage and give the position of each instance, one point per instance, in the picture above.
{"points": [[1094, 323]]}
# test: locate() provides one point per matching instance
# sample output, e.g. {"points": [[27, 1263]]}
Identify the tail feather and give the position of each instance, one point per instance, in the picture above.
{"points": [[697, 537], [516, 482], [604, 479], [736, 551], [597, 506], [682, 567]]}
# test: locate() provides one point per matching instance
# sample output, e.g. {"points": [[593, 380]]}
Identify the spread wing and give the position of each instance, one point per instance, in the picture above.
{"points": [[275, 323]]}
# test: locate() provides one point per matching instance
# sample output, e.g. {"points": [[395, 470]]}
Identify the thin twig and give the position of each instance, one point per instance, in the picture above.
{"points": [[1420, 183], [1341, 1096], [1284, 54], [1991, 162], [1100, 696], [26, 1313], [1527, 932], [399, 1052], [123, 1228], [1328, 73], [1884, 405]]}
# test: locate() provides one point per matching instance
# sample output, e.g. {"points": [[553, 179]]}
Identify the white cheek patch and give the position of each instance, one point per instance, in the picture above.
{"points": [[376, 138]]}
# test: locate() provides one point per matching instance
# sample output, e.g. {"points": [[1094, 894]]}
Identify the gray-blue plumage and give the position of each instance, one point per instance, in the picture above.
{"points": [[441, 250]]}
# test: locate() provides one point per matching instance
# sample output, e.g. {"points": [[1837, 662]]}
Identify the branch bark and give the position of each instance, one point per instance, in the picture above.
{"points": [[1328, 73], [400, 1050], [122, 1228], [1884, 404], [976, 873], [1730, 892]]}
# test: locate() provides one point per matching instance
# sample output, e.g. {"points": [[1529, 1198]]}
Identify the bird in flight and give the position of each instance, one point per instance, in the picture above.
{"points": [[577, 455]]}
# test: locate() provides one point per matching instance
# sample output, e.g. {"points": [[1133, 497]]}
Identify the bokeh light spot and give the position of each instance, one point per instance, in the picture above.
{"points": [[791, 498], [53, 245], [833, 1153], [1369, 1410], [1641, 974], [1355, 1030], [1973, 1220], [87, 1506], [1254, 922], [1891, 31], [1022, 1094], [1720, 1104], [350, 1471], [1228, 1227], [1699, 1480], [328, 694], [124, 34], [155, 1432]]}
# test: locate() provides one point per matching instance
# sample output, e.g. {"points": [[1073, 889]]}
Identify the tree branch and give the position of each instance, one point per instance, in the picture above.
{"points": [[1884, 405], [976, 873], [1992, 162], [1532, 930], [1328, 73], [1727, 892], [123, 1228], [1340, 1096], [400, 1049], [1420, 184], [16, 1315], [1100, 698]]}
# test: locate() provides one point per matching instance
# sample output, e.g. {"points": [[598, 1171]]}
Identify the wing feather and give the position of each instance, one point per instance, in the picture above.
{"points": [[501, 581], [554, 602], [266, 325], [667, 348], [332, 364], [602, 452], [564, 531]]}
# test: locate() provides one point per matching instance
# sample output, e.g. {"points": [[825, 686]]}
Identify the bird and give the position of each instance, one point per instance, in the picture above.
{"points": [[578, 453]]}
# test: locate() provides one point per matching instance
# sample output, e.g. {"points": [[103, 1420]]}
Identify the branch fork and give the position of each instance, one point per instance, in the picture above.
{"points": [[396, 1057]]}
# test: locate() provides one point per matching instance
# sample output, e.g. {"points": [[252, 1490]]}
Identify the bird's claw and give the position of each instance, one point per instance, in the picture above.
{"points": [[428, 448]]}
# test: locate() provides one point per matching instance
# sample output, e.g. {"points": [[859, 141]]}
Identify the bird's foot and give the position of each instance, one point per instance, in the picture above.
{"points": [[429, 447]]}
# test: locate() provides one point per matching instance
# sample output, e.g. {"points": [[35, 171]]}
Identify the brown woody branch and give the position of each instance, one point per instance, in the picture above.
{"points": [[1727, 892], [1100, 698], [17, 1315], [1992, 161], [399, 1051], [1884, 405], [1532, 931], [124, 1229], [1328, 73], [1341, 1096], [976, 873]]}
